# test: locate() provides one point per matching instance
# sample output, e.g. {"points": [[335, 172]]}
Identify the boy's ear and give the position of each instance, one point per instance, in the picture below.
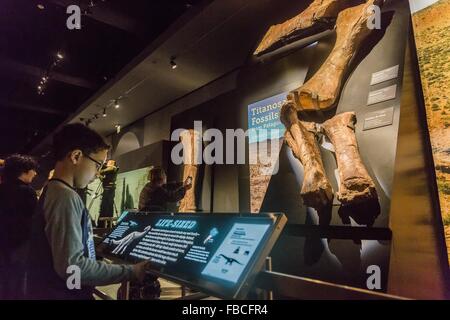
{"points": [[75, 156]]}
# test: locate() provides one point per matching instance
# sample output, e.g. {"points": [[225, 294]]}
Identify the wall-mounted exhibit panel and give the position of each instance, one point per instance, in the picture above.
{"points": [[364, 117], [356, 139]]}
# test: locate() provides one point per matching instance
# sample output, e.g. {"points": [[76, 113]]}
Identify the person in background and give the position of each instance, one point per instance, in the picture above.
{"points": [[62, 238], [17, 204], [157, 194], [108, 176]]}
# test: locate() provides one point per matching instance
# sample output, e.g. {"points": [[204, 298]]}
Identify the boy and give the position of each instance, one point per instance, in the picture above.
{"points": [[62, 239]]}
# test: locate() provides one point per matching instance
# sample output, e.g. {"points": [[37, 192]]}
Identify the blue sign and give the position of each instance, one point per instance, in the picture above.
{"points": [[264, 119]]}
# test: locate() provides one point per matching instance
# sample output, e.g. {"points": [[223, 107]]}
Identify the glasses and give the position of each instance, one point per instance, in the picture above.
{"points": [[98, 164]]}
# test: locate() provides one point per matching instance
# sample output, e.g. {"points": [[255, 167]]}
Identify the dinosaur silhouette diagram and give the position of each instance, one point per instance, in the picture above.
{"points": [[229, 260], [123, 243]]}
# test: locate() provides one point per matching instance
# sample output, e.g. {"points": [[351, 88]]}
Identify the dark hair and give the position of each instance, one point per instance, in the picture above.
{"points": [[156, 175], [77, 136], [17, 164]]}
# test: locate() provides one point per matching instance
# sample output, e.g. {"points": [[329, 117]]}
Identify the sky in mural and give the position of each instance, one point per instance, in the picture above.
{"points": [[417, 5]]}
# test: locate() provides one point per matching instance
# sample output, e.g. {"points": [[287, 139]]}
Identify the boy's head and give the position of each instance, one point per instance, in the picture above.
{"points": [[20, 167], [80, 150]]}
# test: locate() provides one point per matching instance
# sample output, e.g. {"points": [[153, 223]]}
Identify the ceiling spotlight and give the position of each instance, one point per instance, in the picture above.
{"points": [[60, 56], [104, 113], [41, 6], [173, 64], [116, 104], [39, 87]]}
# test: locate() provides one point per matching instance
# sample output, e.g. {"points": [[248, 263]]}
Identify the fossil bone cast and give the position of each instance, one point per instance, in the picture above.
{"points": [[322, 90], [192, 149], [318, 12], [355, 185], [300, 136]]}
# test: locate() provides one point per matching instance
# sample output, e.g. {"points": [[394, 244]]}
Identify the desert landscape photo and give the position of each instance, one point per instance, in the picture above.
{"points": [[432, 33]]}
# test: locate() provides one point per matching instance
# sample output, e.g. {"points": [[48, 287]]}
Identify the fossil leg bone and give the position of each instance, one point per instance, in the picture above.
{"points": [[300, 136], [355, 183], [191, 149], [322, 90], [318, 11]]}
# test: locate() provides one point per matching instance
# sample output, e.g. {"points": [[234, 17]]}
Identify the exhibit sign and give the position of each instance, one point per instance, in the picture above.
{"points": [[264, 116], [337, 162], [215, 253], [265, 135], [431, 23]]}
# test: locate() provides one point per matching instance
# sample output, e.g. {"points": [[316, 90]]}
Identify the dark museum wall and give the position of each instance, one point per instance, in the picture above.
{"points": [[418, 262]]}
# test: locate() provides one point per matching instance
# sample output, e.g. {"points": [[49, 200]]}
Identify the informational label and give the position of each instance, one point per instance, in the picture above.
{"points": [[380, 118], [381, 95], [384, 75], [164, 245], [233, 255], [264, 116], [216, 252], [198, 254]]}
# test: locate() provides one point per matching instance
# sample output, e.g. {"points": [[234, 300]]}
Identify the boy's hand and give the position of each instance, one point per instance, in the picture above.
{"points": [[139, 270]]}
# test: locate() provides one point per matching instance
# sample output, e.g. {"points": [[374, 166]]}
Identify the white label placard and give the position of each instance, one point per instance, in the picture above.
{"points": [[379, 118], [381, 95], [384, 75]]}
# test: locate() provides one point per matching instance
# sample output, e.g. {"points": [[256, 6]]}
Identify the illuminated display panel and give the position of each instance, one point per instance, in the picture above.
{"points": [[216, 253]]}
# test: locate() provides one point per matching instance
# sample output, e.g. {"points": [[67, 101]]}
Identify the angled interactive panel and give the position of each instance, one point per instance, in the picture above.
{"points": [[218, 254]]}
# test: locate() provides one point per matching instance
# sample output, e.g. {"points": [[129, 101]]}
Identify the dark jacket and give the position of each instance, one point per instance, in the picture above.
{"points": [[17, 205], [156, 198]]}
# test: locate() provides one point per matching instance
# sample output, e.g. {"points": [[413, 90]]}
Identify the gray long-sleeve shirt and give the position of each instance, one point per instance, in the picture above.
{"points": [[63, 212]]}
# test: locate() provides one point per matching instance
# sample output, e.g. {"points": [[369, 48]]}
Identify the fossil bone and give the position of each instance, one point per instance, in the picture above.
{"points": [[319, 11], [322, 90], [355, 185], [300, 136], [191, 141]]}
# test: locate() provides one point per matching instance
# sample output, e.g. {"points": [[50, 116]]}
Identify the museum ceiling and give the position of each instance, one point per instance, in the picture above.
{"points": [[47, 72]]}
